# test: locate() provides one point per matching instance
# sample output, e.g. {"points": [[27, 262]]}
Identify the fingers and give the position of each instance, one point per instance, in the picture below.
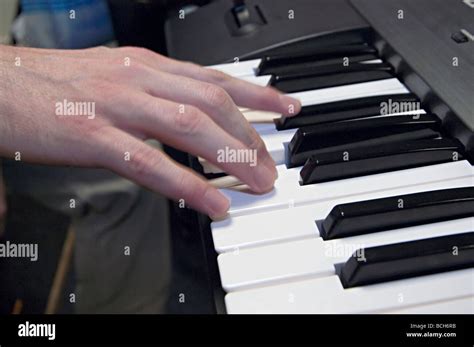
{"points": [[134, 159], [189, 129], [213, 101], [244, 93], [247, 94]]}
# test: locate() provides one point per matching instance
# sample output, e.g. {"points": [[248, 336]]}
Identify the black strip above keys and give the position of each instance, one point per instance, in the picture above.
{"points": [[364, 217], [330, 137], [377, 159], [348, 109], [409, 259], [318, 54], [333, 80]]}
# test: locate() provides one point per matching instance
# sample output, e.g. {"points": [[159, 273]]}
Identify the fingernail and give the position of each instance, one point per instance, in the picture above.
{"points": [[217, 204], [290, 105], [264, 178]]}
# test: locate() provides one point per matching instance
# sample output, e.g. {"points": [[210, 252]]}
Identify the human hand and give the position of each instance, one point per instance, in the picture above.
{"points": [[123, 96]]}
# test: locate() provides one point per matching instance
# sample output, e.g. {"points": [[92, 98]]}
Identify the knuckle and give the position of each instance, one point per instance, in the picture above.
{"points": [[101, 87], [191, 192], [100, 49], [143, 53], [217, 97], [136, 51], [190, 121], [143, 161], [137, 69], [218, 76]]}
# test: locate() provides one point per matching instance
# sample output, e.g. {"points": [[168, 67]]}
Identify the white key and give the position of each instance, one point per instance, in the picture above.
{"points": [[258, 80], [265, 128], [277, 142], [262, 119], [350, 91], [456, 306], [375, 61], [299, 222], [288, 192], [326, 295], [313, 257], [240, 69], [269, 264]]}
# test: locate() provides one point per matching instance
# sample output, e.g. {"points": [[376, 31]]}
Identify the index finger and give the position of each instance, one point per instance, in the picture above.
{"points": [[244, 93]]}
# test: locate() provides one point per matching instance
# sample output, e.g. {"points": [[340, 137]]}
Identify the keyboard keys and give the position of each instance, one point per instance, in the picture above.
{"points": [[292, 223], [363, 58], [381, 158], [273, 263], [319, 56], [287, 267], [262, 81], [326, 295], [358, 90], [409, 259], [331, 137], [342, 110], [240, 69], [397, 211], [288, 192], [329, 70], [314, 257], [332, 80]]}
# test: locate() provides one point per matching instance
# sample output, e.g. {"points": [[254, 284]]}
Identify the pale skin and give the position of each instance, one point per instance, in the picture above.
{"points": [[138, 95]]}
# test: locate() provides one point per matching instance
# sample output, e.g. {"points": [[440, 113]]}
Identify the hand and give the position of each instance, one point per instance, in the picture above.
{"points": [[121, 97]]}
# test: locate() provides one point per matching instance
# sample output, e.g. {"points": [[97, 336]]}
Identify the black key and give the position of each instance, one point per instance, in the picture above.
{"points": [[337, 60], [362, 73], [286, 62], [409, 259], [344, 136], [395, 212], [382, 158], [347, 110], [329, 70]]}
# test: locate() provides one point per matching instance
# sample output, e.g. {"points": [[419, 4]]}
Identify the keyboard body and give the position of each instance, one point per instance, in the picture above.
{"points": [[417, 40]]}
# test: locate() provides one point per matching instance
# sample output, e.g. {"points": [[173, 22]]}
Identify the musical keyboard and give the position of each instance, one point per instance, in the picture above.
{"points": [[373, 208]]}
